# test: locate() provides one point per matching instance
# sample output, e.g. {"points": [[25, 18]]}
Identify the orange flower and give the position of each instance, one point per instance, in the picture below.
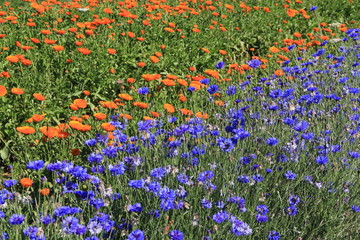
{"points": [[291, 12], [212, 73], [49, 132], [131, 34], [155, 114], [111, 51], [141, 64], [168, 82], [222, 52], [182, 82], [108, 104], [151, 77], [80, 103], [35, 40], [186, 112], [86, 93], [205, 50], [17, 91], [131, 80], [274, 49], [75, 152], [26, 130], [44, 191], [125, 96], [279, 72], [12, 59], [169, 30], [169, 108], [45, 32], [140, 105], [84, 51], [108, 126], [202, 115], [99, 116], [3, 90], [126, 116], [37, 117], [158, 54], [39, 96], [26, 62], [26, 182], [154, 59], [192, 69], [58, 48]]}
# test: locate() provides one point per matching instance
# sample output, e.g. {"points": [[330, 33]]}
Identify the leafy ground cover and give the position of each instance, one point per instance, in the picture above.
{"points": [[179, 120]]}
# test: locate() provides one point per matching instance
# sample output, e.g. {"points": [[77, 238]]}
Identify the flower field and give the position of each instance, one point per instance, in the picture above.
{"points": [[192, 119]]}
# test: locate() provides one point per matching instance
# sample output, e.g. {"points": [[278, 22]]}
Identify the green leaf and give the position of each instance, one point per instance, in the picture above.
{"points": [[4, 153]]}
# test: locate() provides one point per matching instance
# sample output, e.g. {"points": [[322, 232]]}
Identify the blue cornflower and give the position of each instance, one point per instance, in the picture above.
{"points": [[220, 65], [2, 214], [313, 8], [158, 173], [213, 89], [136, 183], [117, 169], [206, 175], [206, 203], [110, 152], [258, 178], [191, 89], [46, 220], [355, 208], [292, 210], [10, 183], [273, 235], [240, 228], [243, 179], [254, 63], [301, 126], [16, 219], [290, 175], [354, 154], [262, 209], [231, 90], [261, 218], [220, 216], [176, 235], [95, 158], [205, 81], [182, 178], [272, 141], [35, 165], [90, 142], [293, 200], [143, 90], [322, 160], [135, 208]]}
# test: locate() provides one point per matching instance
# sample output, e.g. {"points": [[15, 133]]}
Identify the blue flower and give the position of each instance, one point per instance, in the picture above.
{"points": [[313, 8], [143, 90], [290, 175], [213, 89], [261, 218], [240, 228], [322, 160], [254, 63], [176, 235], [95, 158], [231, 90], [35, 165], [292, 210], [262, 209], [135, 208], [205, 81], [10, 183], [220, 65], [16, 219], [293, 200], [273, 235], [272, 141], [205, 176], [206, 203]]}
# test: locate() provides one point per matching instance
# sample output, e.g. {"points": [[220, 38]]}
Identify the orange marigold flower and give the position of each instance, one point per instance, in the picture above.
{"points": [[169, 30], [140, 105], [126, 116], [37, 117], [84, 51], [279, 72], [202, 115], [17, 91], [297, 34], [45, 32], [100, 116], [26, 130], [108, 104], [168, 82], [192, 69], [44, 191], [141, 64], [26, 62], [12, 59], [291, 12], [26, 182], [155, 114], [49, 132], [125, 96], [154, 59], [158, 54], [131, 34], [108, 126], [111, 51], [58, 48], [274, 49], [205, 50], [80, 103], [131, 80], [39, 96], [222, 52], [3, 90], [169, 108], [182, 82], [212, 73], [35, 40], [186, 112]]}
